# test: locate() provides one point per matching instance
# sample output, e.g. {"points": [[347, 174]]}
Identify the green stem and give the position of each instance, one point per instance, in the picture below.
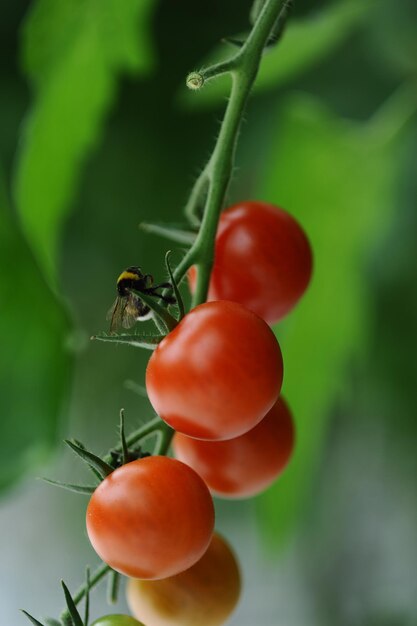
{"points": [[215, 177], [165, 435], [195, 205]]}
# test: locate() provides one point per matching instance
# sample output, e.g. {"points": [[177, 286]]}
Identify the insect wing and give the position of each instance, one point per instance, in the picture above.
{"points": [[133, 310], [116, 313]]}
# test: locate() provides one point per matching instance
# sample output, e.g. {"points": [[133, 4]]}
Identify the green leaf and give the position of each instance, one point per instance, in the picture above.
{"points": [[139, 340], [35, 365], [74, 52], [305, 43], [338, 179]]}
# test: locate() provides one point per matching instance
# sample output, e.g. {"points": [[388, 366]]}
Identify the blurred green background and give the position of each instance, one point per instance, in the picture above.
{"points": [[98, 133]]}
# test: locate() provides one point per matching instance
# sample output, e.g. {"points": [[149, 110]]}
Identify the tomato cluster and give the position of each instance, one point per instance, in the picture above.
{"points": [[216, 380]]}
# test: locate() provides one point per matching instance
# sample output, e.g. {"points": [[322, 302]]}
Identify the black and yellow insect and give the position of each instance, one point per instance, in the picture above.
{"points": [[128, 308]]}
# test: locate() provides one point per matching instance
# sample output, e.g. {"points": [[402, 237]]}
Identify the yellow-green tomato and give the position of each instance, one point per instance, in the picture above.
{"points": [[204, 595], [117, 620]]}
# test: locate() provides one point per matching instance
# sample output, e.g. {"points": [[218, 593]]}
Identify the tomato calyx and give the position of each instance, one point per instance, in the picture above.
{"points": [[115, 458], [134, 455]]}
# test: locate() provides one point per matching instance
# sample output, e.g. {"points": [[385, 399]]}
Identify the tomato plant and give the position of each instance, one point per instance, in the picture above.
{"points": [[204, 595], [151, 518], [217, 373], [246, 465], [262, 260], [117, 620]]}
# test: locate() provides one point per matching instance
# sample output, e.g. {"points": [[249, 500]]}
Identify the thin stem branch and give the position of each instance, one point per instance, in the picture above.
{"points": [[195, 205], [165, 435]]}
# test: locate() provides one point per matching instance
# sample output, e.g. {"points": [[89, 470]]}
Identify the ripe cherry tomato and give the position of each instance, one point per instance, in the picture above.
{"points": [[262, 260], [151, 518], [204, 595], [117, 620], [245, 466], [217, 373]]}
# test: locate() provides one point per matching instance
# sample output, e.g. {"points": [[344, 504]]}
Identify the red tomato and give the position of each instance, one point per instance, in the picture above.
{"points": [[245, 466], [204, 595], [151, 518], [262, 260], [217, 373]]}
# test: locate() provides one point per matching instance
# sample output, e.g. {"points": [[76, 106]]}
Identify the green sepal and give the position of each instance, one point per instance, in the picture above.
{"points": [[177, 293], [150, 342], [147, 430], [91, 459], [52, 622], [32, 619], [179, 233], [87, 596], [161, 312], [72, 609], [90, 467], [83, 489], [113, 583], [123, 444]]}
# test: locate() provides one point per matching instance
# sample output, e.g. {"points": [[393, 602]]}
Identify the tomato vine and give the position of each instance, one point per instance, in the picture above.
{"points": [[202, 210]]}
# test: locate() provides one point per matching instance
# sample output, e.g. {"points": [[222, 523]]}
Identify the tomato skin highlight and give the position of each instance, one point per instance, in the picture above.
{"points": [[217, 373], [244, 466], [151, 518], [117, 620], [263, 260], [204, 595]]}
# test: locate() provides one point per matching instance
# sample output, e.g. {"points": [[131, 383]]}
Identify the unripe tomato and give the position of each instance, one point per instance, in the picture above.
{"points": [[217, 373], [151, 518], [117, 620], [244, 466], [262, 260], [204, 595]]}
